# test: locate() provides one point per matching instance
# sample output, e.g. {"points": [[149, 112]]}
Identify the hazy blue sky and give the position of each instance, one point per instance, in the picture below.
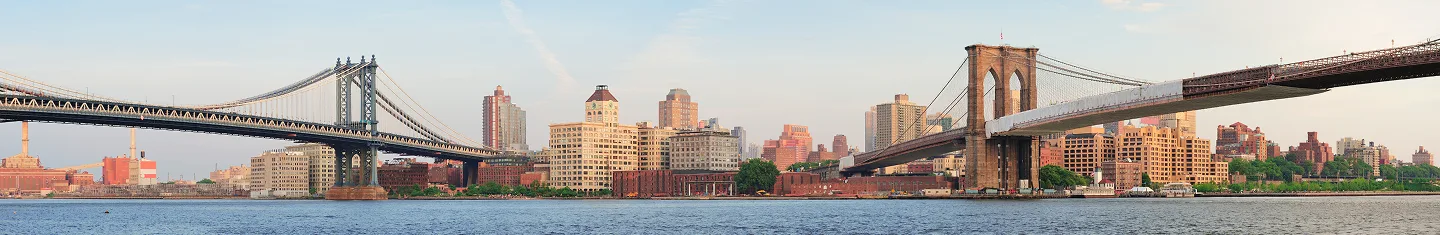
{"points": [[758, 64]]}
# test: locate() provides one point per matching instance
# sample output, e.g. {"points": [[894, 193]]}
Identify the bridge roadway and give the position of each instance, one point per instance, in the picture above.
{"points": [[61, 110], [1216, 90]]}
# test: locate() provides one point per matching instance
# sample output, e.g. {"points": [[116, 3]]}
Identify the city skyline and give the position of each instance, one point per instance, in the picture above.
{"points": [[694, 32]]}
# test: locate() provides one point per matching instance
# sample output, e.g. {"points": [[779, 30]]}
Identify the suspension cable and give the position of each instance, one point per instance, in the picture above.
{"points": [[1093, 71], [425, 112]]}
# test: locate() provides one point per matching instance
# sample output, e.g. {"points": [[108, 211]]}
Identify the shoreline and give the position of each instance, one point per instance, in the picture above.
{"points": [[962, 196], [1321, 194]]}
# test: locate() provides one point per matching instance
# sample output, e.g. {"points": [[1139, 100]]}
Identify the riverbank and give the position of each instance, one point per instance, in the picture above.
{"points": [[1320, 194], [65, 197], [849, 197]]}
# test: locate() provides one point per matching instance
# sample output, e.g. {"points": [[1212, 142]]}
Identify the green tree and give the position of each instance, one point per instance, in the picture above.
{"points": [[1307, 168], [1055, 177], [756, 174], [205, 181], [491, 188], [1207, 187], [1336, 168], [602, 193], [1389, 172], [1241, 166], [801, 166], [430, 191], [1360, 168]]}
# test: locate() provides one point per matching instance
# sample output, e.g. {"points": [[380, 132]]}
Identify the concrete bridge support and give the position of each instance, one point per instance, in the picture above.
{"points": [[366, 185], [1005, 162]]}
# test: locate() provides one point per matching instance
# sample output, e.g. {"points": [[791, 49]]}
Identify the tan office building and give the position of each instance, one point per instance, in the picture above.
{"points": [[1083, 151], [322, 164], [896, 122], [280, 172], [234, 176], [1170, 155], [583, 154], [705, 149], [654, 146], [678, 112]]}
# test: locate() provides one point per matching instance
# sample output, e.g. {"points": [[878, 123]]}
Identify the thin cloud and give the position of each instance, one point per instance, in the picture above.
{"points": [[669, 54], [514, 16]]}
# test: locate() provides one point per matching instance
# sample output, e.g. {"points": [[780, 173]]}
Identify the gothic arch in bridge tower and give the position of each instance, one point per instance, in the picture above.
{"points": [[1002, 63], [999, 162]]}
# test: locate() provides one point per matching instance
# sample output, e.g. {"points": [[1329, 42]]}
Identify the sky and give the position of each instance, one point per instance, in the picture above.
{"points": [[757, 64]]}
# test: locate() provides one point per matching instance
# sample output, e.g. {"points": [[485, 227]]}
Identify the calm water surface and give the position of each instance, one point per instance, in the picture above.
{"points": [[1328, 215]]}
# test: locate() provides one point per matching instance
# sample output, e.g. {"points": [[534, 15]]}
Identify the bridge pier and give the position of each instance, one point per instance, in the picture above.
{"points": [[1002, 162], [469, 173], [367, 185]]}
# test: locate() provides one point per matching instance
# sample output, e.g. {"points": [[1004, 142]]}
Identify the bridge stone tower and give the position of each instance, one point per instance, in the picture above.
{"points": [[366, 186], [999, 161]]}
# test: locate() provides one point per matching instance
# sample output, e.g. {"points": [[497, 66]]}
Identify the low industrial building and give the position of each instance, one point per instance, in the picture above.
{"points": [[672, 183]]}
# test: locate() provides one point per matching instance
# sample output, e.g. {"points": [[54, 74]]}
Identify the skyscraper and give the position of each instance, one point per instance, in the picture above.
{"points": [[898, 121], [798, 133], [793, 146], [504, 122], [870, 129], [678, 112], [583, 154], [841, 145], [739, 133]]}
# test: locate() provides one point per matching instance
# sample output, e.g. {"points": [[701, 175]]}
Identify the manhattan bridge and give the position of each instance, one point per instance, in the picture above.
{"points": [[355, 91]]}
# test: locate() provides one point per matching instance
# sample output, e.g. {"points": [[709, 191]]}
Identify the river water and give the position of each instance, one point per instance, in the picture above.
{"points": [[1316, 215]]}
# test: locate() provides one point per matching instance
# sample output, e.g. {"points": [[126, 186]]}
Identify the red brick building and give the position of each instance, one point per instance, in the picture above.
{"points": [[787, 180], [503, 175], [116, 171], [873, 185], [1239, 140], [533, 177], [1125, 174], [920, 166], [1051, 153], [668, 183], [1272, 150], [404, 173], [1313, 150]]}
